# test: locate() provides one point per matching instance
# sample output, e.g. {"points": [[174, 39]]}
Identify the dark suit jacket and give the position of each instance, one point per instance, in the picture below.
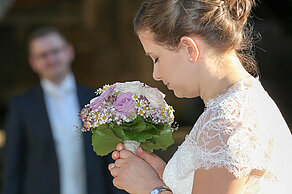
{"points": [[30, 162]]}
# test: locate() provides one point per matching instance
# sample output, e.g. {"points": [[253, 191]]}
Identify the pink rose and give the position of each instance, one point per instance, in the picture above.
{"points": [[124, 103], [96, 102]]}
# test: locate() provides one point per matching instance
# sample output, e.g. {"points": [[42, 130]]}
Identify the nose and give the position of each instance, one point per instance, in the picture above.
{"points": [[156, 75], [51, 59]]}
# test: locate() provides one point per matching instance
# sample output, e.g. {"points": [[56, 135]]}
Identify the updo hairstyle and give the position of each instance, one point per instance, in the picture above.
{"points": [[223, 24]]}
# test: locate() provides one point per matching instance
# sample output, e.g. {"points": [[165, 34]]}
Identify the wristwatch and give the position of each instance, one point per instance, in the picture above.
{"points": [[159, 189]]}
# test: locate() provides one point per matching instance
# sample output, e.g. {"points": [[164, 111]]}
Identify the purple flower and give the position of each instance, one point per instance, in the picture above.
{"points": [[96, 102], [124, 104]]}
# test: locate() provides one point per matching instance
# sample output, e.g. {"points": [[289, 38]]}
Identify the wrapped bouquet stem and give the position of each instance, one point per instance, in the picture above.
{"points": [[131, 145], [131, 113]]}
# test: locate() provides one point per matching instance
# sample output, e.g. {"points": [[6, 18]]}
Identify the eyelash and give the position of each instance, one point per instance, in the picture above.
{"points": [[155, 60]]}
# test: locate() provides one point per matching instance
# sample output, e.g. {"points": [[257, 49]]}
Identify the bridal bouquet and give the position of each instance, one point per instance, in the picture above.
{"points": [[131, 113]]}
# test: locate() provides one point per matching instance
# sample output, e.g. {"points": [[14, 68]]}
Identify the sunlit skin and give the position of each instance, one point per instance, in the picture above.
{"points": [[194, 69], [173, 68], [205, 75], [51, 57]]}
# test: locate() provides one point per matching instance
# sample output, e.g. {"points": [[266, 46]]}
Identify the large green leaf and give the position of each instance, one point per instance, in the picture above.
{"points": [[139, 137], [164, 139], [104, 140], [152, 129], [136, 126], [161, 141], [119, 132], [149, 146]]}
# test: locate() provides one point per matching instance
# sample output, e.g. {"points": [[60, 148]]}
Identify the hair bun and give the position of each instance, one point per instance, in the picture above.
{"points": [[239, 9]]}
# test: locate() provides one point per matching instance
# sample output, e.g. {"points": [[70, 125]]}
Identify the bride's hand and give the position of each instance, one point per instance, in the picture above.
{"points": [[133, 174], [155, 161]]}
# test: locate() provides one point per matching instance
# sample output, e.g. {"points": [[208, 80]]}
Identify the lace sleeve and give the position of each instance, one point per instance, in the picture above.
{"points": [[229, 143]]}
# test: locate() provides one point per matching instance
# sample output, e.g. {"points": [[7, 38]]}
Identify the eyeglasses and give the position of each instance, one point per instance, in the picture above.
{"points": [[54, 52]]}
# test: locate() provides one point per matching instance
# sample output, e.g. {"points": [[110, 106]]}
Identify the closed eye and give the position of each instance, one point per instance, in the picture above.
{"points": [[155, 60]]}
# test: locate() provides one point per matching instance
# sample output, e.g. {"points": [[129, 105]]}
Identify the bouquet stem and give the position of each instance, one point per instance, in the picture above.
{"points": [[131, 145]]}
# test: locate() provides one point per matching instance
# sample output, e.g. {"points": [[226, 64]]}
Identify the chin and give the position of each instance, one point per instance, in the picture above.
{"points": [[179, 95], [183, 95]]}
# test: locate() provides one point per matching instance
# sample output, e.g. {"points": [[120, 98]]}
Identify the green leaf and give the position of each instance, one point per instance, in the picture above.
{"points": [[136, 126], [119, 132], [161, 141], [104, 140], [149, 146], [164, 139], [151, 128], [139, 137]]}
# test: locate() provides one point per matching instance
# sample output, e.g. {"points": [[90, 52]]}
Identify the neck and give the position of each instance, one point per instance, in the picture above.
{"points": [[220, 73]]}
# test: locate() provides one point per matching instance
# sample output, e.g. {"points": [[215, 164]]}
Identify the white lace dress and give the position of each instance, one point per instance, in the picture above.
{"points": [[241, 130]]}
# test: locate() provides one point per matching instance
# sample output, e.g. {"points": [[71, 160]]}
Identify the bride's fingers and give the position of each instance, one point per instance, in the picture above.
{"points": [[140, 152], [110, 166], [145, 155], [120, 147], [116, 155], [126, 154], [116, 183], [114, 170], [119, 163]]}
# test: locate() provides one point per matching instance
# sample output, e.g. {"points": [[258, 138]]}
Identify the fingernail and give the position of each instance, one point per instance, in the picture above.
{"points": [[112, 166], [141, 150], [120, 147], [115, 154]]}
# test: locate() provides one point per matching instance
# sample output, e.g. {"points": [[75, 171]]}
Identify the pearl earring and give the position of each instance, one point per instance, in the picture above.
{"points": [[191, 59]]}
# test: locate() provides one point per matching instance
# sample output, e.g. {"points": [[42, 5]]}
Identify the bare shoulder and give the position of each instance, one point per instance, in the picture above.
{"points": [[218, 180]]}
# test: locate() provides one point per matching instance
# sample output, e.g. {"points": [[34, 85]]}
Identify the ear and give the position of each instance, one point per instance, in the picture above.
{"points": [[70, 52], [191, 48]]}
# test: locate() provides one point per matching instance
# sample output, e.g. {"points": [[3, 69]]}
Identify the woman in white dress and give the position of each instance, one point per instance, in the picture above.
{"points": [[240, 143]]}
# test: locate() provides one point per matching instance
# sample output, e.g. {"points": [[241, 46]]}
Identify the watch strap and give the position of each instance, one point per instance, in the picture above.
{"points": [[159, 189]]}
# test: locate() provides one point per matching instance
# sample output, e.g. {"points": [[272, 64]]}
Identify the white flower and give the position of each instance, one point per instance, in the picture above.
{"points": [[155, 97], [133, 87]]}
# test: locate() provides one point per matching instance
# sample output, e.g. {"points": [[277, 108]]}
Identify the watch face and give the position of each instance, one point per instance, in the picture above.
{"points": [[155, 191]]}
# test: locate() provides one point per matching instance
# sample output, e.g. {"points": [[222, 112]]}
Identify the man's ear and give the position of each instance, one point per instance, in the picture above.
{"points": [[71, 52], [191, 48]]}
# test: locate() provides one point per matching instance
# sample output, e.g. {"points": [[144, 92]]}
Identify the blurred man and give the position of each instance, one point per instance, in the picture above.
{"points": [[44, 154]]}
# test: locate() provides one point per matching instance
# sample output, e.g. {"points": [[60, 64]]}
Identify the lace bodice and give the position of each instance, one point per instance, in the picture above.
{"points": [[242, 130]]}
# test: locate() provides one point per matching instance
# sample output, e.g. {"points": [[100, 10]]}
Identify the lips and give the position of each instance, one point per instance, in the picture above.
{"points": [[167, 85]]}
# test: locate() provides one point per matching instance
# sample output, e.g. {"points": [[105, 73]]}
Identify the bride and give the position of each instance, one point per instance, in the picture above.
{"points": [[240, 143]]}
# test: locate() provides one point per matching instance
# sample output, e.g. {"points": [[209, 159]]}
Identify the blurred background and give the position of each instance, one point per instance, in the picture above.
{"points": [[107, 51]]}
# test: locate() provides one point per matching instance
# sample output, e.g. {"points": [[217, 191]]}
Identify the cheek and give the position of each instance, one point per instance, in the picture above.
{"points": [[177, 64], [40, 66], [169, 66], [67, 59]]}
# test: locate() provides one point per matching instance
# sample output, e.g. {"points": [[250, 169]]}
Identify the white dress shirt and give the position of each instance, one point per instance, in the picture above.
{"points": [[63, 109]]}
